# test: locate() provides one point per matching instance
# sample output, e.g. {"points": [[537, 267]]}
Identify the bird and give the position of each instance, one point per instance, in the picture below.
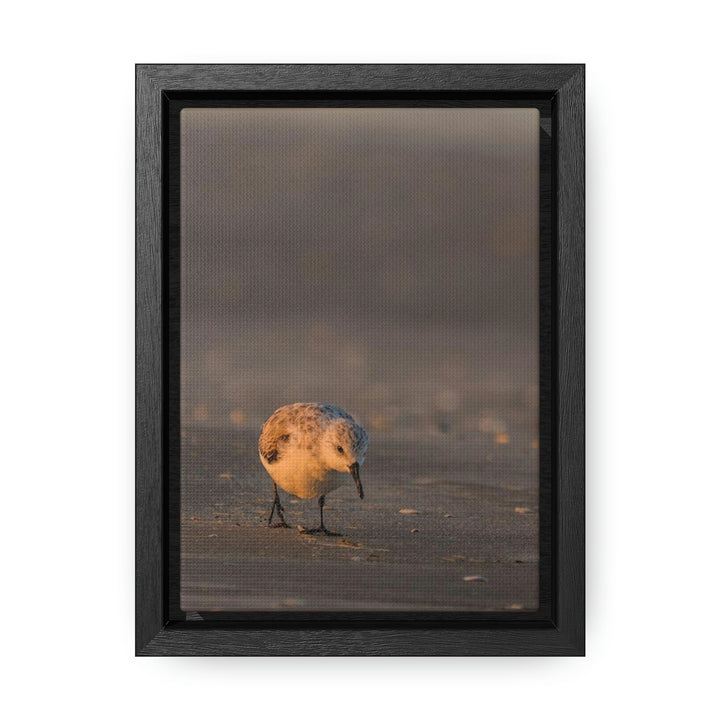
{"points": [[307, 448]]}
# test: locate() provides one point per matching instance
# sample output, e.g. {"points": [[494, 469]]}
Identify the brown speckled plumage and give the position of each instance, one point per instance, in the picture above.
{"points": [[308, 449], [303, 418]]}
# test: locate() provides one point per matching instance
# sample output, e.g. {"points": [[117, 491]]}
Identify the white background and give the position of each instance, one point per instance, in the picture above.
{"points": [[66, 292]]}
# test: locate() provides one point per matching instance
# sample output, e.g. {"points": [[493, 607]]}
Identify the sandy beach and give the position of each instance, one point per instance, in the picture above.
{"points": [[445, 525]]}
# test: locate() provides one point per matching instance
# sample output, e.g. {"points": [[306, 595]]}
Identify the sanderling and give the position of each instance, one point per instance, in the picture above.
{"points": [[306, 448]]}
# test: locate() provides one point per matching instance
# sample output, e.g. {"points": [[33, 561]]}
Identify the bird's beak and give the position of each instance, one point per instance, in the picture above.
{"points": [[355, 472]]}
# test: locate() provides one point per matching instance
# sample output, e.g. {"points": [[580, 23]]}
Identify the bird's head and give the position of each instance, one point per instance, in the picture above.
{"points": [[344, 448]]}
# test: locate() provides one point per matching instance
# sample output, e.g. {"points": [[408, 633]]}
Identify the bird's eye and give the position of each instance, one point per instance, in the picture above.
{"points": [[340, 449]]}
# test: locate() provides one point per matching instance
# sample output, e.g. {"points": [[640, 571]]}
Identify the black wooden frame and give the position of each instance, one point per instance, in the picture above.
{"points": [[563, 631]]}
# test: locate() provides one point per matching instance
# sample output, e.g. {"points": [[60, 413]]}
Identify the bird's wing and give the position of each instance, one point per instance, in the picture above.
{"points": [[274, 435]]}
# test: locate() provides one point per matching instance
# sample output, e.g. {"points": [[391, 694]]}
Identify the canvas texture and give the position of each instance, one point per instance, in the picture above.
{"points": [[384, 262]]}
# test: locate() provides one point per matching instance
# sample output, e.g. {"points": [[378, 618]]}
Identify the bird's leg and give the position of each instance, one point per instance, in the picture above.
{"points": [[322, 530], [321, 503], [276, 504]]}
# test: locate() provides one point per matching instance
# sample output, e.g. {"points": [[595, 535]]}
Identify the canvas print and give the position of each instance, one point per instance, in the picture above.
{"points": [[359, 359]]}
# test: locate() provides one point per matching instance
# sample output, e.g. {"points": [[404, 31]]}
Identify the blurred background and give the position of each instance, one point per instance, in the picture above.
{"points": [[384, 260]]}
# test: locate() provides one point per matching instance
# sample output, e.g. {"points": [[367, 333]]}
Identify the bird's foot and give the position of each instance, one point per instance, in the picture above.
{"points": [[322, 530], [281, 524]]}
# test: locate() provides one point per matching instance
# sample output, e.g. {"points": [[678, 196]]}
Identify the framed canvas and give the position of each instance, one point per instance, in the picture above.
{"points": [[360, 360]]}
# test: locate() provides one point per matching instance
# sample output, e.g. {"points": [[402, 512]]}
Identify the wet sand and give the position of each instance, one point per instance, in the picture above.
{"points": [[474, 515]]}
